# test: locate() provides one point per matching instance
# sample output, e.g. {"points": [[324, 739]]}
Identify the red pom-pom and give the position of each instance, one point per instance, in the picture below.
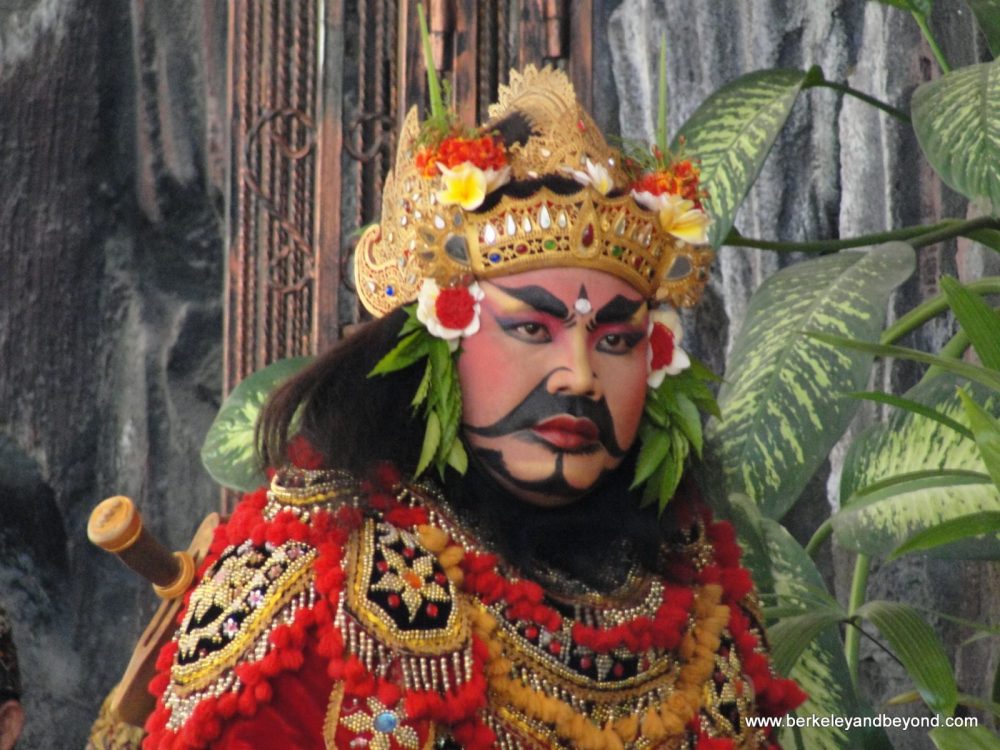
{"points": [[227, 705], [387, 476], [455, 308], [388, 694], [303, 454], [661, 342]]}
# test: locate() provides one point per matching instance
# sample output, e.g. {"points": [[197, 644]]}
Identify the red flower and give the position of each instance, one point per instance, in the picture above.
{"points": [[661, 341], [484, 153], [455, 308]]}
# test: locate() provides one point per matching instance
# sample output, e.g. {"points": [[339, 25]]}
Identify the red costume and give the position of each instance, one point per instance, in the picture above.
{"points": [[340, 614]]}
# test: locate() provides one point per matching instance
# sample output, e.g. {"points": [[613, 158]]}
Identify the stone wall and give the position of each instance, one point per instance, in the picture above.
{"points": [[110, 319], [111, 264]]}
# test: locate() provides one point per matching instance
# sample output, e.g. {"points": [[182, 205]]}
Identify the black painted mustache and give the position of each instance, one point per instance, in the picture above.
{"points": [[540, 405]]}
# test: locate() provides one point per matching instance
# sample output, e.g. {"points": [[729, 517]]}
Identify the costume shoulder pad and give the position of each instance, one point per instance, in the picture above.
{"points": [[243, 596], [401, 592]]}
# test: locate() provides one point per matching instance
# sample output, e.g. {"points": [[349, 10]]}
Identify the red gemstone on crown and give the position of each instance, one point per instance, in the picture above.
{"points": [[587, 238]]}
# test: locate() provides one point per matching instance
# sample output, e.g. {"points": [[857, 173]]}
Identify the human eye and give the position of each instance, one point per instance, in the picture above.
{"points": [[619, 342], [528, 331]]}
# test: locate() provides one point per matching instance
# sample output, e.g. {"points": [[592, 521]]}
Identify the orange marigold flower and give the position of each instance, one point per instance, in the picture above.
{"points": [[680, 178], [485, 152]]}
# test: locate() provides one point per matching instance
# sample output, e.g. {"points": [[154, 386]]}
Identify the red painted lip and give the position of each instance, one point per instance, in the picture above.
{"points": [[567, 432]]}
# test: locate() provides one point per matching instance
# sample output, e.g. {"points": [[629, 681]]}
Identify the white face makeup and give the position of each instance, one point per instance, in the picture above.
{"points": [[554, 382]]}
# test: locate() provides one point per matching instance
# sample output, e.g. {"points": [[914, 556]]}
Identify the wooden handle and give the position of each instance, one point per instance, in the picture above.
{"points": [[116, 526], [131, 701]]}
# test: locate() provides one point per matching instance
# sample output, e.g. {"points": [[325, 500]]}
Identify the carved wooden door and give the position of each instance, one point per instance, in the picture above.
{"points": [[317, 91]]}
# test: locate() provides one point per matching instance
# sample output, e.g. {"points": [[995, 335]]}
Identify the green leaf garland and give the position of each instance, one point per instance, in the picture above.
{"points": [[439, 393], [671, 428]]}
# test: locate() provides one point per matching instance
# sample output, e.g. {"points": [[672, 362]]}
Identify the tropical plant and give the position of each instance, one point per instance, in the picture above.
{"points": [[924, 481]]}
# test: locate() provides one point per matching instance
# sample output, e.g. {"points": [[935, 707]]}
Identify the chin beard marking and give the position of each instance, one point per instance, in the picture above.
{"points": [[554, 484]]}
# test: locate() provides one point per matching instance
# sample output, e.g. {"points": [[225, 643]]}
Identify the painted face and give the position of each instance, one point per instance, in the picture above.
{"points": [[554, 382]]}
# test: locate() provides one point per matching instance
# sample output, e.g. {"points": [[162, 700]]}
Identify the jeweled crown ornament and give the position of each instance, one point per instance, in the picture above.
{"points": [[473, 206]]}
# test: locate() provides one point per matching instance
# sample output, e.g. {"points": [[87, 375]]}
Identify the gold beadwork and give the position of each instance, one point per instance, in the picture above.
{"points": [[239, 588]]}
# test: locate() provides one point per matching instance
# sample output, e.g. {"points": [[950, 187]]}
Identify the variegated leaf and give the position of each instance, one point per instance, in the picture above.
{"points": [[821, 671], [783, 405], [228, 452], [731, 134], [957, 121], [908, 443]]}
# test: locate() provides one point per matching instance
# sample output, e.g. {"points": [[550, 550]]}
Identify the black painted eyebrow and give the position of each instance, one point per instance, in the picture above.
{"points": [[618, 310], [538, 298]]}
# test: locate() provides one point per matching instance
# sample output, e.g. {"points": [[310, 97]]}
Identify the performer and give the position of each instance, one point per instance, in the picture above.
{"points": [[11, 711], [527, 366]]}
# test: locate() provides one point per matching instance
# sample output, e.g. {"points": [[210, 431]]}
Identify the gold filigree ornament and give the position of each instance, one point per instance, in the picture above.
{"points": [[596, 228]]}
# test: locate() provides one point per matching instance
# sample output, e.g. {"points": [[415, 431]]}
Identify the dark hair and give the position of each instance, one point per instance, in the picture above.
{"points": [[352, 419]]}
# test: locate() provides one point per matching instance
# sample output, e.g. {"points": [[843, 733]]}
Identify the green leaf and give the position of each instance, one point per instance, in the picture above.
{"points": [[673, 468], [987, 13], [229, 451], [432, 439], [655, 444], [687, 419], [964, 738], [955, 118], [979, 321], [950, 531], [792, 636], [410, 350], [917, 646], [987, 432], [423, 388], [912, 406], [457, 457], [782, 404], [943, 477], [731, 134], [821, 670], [975, 373]]}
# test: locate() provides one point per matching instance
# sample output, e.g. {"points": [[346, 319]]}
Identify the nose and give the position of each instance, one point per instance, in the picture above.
{"points": [[573, 373]]}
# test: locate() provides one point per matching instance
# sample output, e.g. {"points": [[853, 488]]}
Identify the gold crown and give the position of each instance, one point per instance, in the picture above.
{"points": [[419, 238]]}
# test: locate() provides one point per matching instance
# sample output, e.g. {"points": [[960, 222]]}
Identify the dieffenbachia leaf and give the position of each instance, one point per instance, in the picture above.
{"points": [[917, 646], [964, 738], [910, 444], [956, 121], [731, 134], [979, 321], [229, 452], [820, 670], [782, 403], [987, 13]]}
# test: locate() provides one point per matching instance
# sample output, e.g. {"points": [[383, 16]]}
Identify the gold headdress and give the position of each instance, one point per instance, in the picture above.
{"points": [[608, 230]]}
